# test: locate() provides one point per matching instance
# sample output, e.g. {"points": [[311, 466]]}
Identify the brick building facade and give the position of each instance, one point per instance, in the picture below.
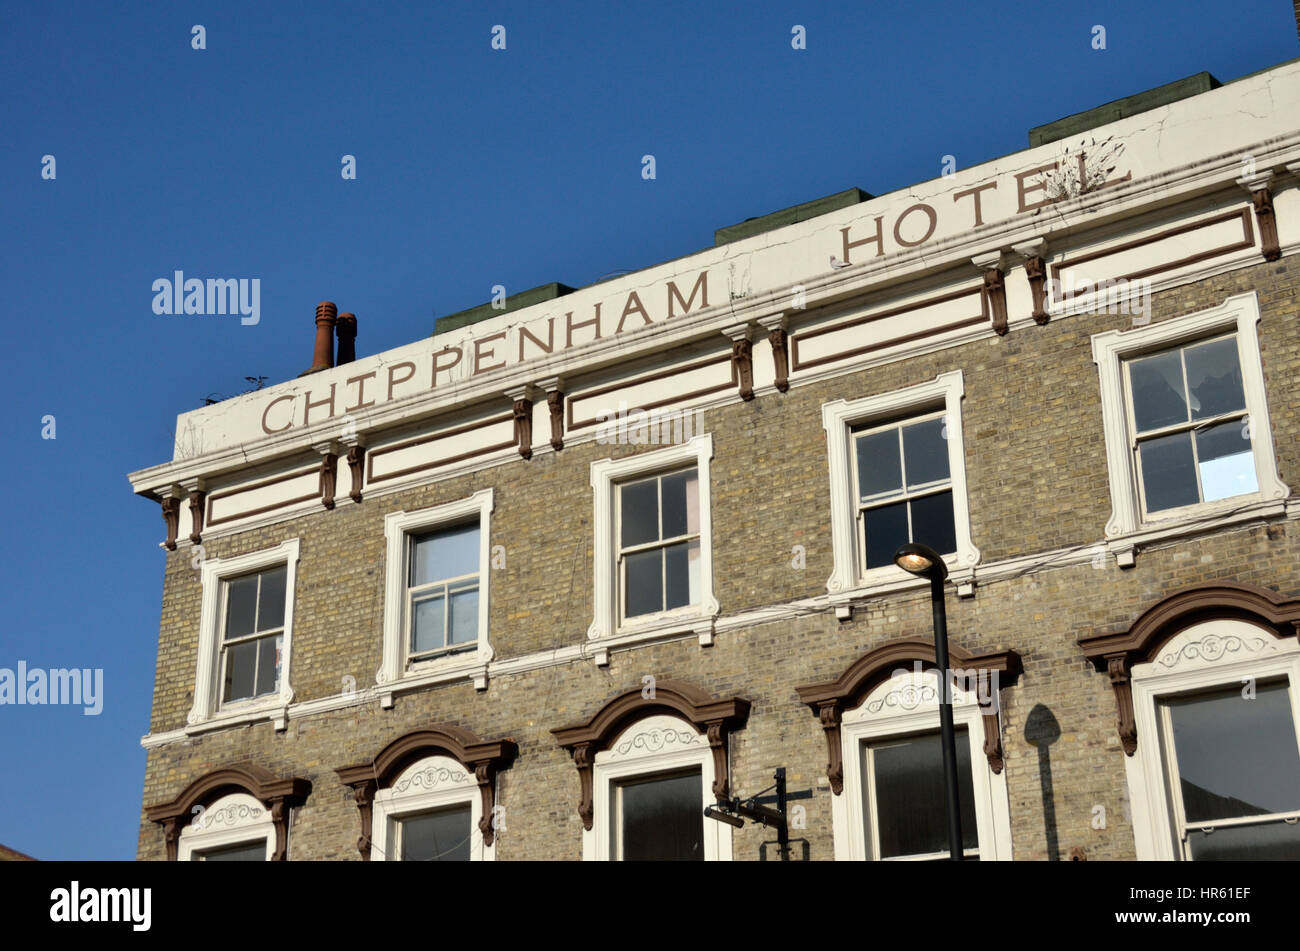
{"points": [[409, 604]]}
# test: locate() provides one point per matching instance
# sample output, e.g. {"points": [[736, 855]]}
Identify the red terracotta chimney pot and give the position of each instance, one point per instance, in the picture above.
{"points": [[326, 314], [346, 328]]}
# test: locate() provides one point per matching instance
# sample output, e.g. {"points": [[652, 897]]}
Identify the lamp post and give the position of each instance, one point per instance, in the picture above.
{"points": [[925, 562]]}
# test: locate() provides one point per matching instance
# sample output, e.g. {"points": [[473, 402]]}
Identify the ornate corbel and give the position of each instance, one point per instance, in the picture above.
{"points": [[994, 289], [1035, 255], [742, 357], [363, 794], [197, 494], [329, 466], [522, 398], [993, 741], [554, 389], [584, 758], [776, 337], [485, 774], [172, 834], [280, 816], [356, 456], [1261, 198], [171, 513], [1118, 666], [828, 714]]}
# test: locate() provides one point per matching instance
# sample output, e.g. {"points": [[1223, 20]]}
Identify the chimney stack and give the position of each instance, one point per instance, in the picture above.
{"points": [[347, 333], [326, 315]]}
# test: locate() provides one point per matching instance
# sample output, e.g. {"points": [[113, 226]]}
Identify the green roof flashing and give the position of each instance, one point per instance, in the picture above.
{"points": [[788, 216], [534, 295], [1122, 108]]}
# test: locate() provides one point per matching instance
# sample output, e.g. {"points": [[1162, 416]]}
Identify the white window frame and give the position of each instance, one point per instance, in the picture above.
{"points": [[399, 527], [234, 819], [208, 711], [433, 782], [906, 704], [657, 744], [606, 476], [1212, 654], [839, 418], [1238, 315]]}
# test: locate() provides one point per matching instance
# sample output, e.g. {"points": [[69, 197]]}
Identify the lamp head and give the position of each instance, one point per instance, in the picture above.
{"points": [[921, 560]]}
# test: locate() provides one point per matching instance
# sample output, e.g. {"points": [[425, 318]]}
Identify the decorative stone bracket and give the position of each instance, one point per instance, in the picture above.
{"points": [[522, 397], [278, 795], [1116, 653], [1035, 255], [329, 466], [554, 389], [778, 338], [356, 468], [832, 699], [716, 719], [742, 356], [484, 758], [171, 513], [1261, 198], [994, 290]]}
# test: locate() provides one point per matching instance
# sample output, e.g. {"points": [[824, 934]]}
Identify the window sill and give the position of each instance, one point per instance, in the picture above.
{"points": [[1200, 520], [891, 580], [275, 709], [697, 620], [471, 664]]}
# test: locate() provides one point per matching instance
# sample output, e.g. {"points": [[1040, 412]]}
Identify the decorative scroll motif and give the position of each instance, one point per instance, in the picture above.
{"points": [[742, 358], [196, 515], [171, 513], [655, 740], [524, 427], [830, 700], [229, 815], [278, 795], [1126, 723], [714, 718], [431, 778], [780, 358], [1213, 647], [328, 476], [995, 297], [1036, 271], [1262, 199], [356, 458], [1145, 641], [555, 403], [483, 757]]}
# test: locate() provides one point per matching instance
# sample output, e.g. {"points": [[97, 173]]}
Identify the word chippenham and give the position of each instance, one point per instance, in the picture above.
{"points": [[61, 686], [182, 295]]}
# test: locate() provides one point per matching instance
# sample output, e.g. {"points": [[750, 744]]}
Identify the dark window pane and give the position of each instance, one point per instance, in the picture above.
{"points": [[663, 819], [1214, 377], [932, 522], [925, 451], [644, 580], [1168, 472], [441, 836], [268, 665], [681, 504], [427, 625], [1227, 464], [270, 607], [1276, 841], [241, 605], [1236, 756], [244, 852], [1158, 391], [681, 564], [880, 467], [241, 667], [449, 553], [911, 800], [640, 512], [886, 529], [464, 616]]}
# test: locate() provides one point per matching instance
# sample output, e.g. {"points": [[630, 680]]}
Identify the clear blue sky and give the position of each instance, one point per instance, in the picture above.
{"points": [[475, 167]]}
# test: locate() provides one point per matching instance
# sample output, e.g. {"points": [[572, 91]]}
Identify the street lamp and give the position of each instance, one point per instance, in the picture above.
{"points": [[925, 562]]}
